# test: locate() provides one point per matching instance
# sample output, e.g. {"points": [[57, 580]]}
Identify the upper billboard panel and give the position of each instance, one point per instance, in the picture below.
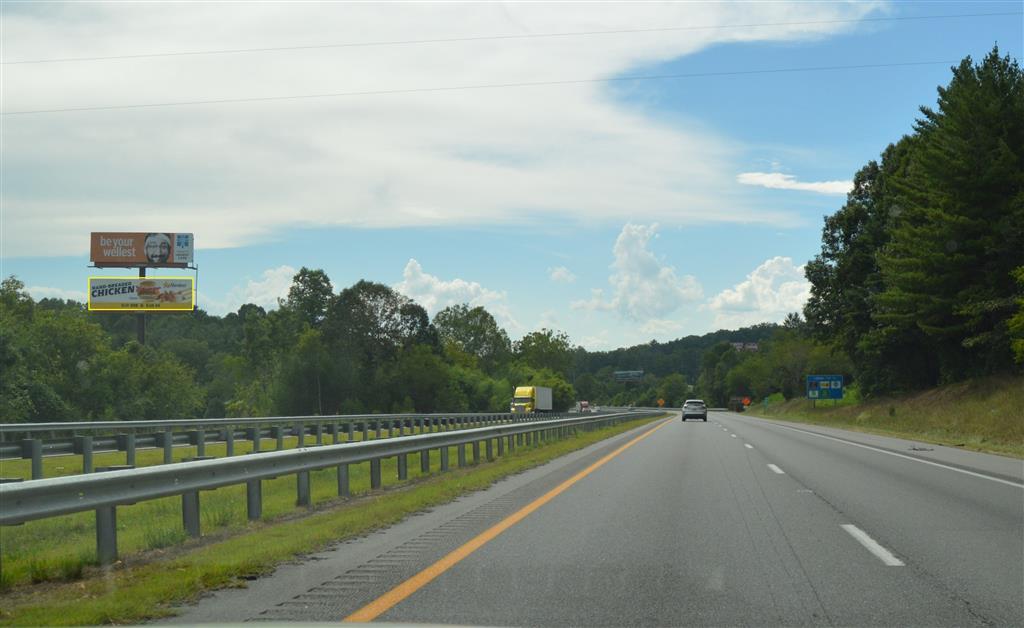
{"points": [[154, 250]]}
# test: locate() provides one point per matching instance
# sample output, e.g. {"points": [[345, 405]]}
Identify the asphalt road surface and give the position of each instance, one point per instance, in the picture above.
{"points": [[736, 521]]}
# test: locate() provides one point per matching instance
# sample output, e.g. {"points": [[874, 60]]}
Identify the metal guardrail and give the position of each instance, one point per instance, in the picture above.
{"points": [[33, 441], [104, 492]]}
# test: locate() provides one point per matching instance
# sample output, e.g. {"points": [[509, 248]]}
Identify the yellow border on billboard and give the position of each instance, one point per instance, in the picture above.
{"points": [[158, 307]]}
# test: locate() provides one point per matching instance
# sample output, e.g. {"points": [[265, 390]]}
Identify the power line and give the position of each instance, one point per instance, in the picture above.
{"points": [[503, 37], [450, 88]]}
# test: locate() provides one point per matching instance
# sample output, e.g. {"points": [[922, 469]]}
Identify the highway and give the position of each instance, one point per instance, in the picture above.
{"points": [[736, 521]]}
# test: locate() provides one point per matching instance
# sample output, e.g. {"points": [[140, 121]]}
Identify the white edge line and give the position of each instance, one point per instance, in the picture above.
{"points": [[872, 545], [776, 469], [893, 453]]}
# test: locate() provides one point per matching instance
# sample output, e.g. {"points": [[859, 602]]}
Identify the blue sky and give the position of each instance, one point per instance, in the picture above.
{"points": [[613, 211]]}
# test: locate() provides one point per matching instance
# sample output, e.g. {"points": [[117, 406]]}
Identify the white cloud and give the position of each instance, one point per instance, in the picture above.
{"points": [[780, 181], [600, 341], [561, 274], [643, 286], [237, 174], [273, 284], [43, 292], [435, 294], [774, 289], [661, 328]]}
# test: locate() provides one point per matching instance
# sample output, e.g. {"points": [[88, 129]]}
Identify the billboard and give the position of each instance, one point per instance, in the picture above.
{"points": [[135, 294], [824, 386], [154, 250]]}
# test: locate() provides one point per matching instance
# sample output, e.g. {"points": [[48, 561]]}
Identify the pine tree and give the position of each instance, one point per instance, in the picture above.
{"points": [[947, 267]]}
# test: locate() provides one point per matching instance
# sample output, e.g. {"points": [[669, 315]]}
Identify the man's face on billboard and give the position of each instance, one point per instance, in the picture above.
{"points": [[158, 249]]}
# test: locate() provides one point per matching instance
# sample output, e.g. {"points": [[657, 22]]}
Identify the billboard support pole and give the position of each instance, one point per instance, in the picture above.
{"points": [[141, 324]]}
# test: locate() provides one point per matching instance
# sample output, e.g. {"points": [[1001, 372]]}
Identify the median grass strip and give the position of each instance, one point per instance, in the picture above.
{"points": [[59, 548], [981, 415], [140, 589]]}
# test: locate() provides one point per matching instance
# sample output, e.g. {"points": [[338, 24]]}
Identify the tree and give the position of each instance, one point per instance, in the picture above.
{"points": [[373, 322], [673, 389], [547, 349], [474, 332], [310, 295], [1016, 324], [947, 269]]}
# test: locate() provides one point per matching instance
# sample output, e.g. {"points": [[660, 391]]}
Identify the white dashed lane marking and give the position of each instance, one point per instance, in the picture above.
{"points": [[872, 545], [776, 469]]}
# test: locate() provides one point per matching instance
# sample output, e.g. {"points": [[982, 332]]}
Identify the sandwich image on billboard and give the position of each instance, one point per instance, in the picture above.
{"points": [[148, 294], [153, 250]]}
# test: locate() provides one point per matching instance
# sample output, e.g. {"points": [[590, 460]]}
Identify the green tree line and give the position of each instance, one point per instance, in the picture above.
{"points": [[365, 349]]}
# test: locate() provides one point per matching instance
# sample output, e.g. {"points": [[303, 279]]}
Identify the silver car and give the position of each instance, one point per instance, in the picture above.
{"points": [[695, 409]]}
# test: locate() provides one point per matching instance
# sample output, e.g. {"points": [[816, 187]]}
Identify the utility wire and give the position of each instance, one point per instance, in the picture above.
{"points": [[504, 37], [451, 88]]}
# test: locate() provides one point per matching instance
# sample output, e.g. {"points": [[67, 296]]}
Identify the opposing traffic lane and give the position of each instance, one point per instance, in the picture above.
{"points": [[961, 527], [690, 526]]}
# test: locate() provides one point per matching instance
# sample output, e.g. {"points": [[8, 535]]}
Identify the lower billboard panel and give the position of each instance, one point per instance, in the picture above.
{"points": [[150, 294]]}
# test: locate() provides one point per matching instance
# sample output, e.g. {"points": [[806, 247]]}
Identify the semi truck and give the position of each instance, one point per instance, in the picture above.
{"points": [[530, 399]]}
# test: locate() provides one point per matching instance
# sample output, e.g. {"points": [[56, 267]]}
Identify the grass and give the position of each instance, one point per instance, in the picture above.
{"points": [[142, 586], [982, 415]]}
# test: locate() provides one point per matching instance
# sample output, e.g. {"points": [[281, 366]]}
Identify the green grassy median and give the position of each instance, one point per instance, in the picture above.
{"points": [[148, 578]]}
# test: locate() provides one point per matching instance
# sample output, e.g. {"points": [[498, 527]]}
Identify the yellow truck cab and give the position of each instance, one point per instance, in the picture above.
{"points": [[531, 399]]}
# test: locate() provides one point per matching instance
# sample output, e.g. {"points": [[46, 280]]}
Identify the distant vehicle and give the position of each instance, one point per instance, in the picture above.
{"points": [[695, 409], [530, 399], [584, 406]]}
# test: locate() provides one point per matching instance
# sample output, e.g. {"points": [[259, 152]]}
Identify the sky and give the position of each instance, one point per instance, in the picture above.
{"points": [[622, 172]]}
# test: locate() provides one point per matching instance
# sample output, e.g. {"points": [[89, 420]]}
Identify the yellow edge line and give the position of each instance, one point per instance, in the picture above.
{"points": [[385, 602]]}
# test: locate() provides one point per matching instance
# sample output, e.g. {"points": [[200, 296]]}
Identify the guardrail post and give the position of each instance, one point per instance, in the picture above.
{"points": [[489, 450], [229, 440], [501, 446], [349, 430], [198, 438], [425, 461], [444, 458], [253, 434], [462, 455], [302, 488], [254, 499], [343, 488], [32, 448], [512, 442], [380, 426], [366, 430], [403, 467], [83, 446], [126, 442], [166, 441], [519, 439], [375, 473], [278, 433], [299, 430], [319, 433], [391, 428], [190, 513], [476, 451], [106, 534]]}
